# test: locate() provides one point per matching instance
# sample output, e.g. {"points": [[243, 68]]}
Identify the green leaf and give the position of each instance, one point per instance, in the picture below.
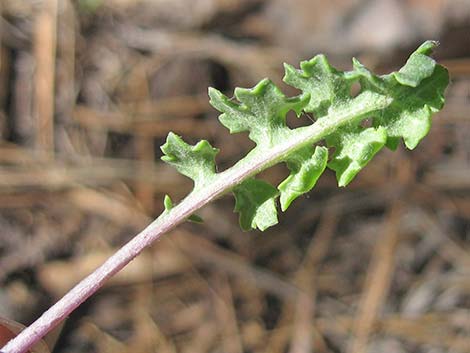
{"points": [[195, 218], [169, 205], [409, 116], [412, 94], [255, 200], [418, 67], [261, 111], [306, 166], [326, 85], [395, 106], [416, 92], [355, 147], [196, 162]]}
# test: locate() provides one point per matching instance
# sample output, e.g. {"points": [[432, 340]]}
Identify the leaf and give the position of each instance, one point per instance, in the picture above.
{"points": [[195, 218], [262, 111], [409, 116], [413, 94], [329, 96], [418, 67], [168, 204], [326, 85], [355, 147], [196, 162], [416, 90], [255, 200], [398, 106], [306, 166]]}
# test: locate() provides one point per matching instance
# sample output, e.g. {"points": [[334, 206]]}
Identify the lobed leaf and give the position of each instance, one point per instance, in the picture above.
{"points": [[327, 86], [306, 166], [418, 67], [414, 93], [409, 116], [398, 106], [256, 201], [262, 111], [355, 147], [196, 162]]}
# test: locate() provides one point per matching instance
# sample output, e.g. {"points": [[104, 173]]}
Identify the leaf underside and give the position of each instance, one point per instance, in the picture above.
{"points": [[396, 106]]}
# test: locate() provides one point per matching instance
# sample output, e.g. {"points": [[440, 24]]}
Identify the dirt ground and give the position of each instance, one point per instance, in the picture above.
{"points": [[89, 90]]}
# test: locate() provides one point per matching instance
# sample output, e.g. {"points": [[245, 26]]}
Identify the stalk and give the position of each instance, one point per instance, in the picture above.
{"points": [[400, 104], [224, 182]]}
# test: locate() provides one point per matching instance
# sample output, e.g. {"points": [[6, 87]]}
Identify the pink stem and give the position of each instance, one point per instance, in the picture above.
{"points": [[225, 181], [88, 286]]}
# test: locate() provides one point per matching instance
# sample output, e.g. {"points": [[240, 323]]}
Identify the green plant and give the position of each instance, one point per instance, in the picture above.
{"points": [[398, 106]]}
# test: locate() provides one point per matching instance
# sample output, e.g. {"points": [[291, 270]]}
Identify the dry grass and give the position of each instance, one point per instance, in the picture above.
{"points": [[86, 97]]}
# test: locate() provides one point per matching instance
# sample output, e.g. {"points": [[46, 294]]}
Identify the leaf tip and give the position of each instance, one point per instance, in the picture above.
{"points": [[166, 147], [427, 47], [286, 200], [216, 98], [213, 92], [289, 71]]}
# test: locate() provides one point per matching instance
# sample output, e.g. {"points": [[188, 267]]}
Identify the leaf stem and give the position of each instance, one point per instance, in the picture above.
{"points": [[256, 161]]}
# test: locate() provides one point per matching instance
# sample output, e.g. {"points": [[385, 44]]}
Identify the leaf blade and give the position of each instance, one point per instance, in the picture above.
{"points": [[255, 200]]}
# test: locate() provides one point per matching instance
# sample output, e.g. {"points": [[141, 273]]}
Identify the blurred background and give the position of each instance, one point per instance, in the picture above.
{"points": [[89, 90]]}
